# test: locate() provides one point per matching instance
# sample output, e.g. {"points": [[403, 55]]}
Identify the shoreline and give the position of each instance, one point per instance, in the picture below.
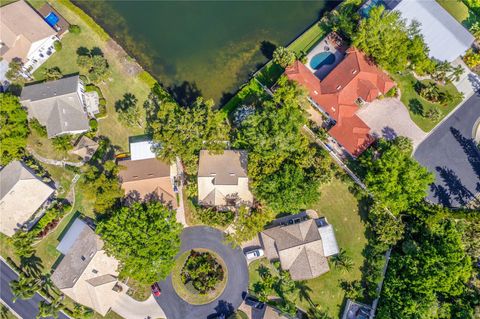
{"points": [[238, 87]]}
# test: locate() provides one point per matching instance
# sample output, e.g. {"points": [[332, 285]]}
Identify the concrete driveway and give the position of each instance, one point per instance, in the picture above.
{"points": [[237, 282], [389, 118], [450, 152], [127, 307]]}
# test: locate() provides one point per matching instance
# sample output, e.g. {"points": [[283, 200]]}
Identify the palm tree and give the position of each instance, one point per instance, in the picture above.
{"points": [[316, 312], [343, 261], [22, 243], [4, 312], [24, 287], [51, 309], [261, 291], [287, 307], [456, 73], [31, 265], [80, 311], [303, 291]]}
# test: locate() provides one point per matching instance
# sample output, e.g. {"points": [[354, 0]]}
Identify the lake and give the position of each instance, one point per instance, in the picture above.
{"points": [[203, 48]]}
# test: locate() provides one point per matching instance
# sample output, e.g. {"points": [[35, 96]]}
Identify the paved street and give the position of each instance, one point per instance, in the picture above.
{"points": [[27, 309], [230, 299], [451, 153]]}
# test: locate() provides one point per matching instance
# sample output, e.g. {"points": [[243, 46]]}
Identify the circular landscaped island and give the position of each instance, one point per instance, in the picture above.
{"points": [[199, 276]]}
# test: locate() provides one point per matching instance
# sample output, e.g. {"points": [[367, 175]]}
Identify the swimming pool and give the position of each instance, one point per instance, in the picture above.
{"points": [[52, 19], [323, 58]]}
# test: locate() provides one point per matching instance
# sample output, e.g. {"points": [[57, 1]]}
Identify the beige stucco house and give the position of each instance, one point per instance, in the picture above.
{"points": [[301, 246], [223, 179], [21, 195], [85, 273], [143, 175], [25, 34]]}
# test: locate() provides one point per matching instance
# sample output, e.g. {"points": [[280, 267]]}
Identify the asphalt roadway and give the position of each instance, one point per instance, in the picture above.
{"points": [[450, 153], [237, 284], [27, 309]]}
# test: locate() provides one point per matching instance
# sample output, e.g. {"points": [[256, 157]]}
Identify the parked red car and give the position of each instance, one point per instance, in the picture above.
{"points": [[156, 291]]}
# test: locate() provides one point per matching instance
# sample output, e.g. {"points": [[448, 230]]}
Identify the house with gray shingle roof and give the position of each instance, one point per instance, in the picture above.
{"points": [[59, 105], [302, 247], [85, 272], [21, 195]]}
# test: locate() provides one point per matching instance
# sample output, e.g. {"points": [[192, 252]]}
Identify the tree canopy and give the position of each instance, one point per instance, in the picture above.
{"points": [[386, 38], [101, 185], [284, 169], [13, 128], [248, 224], [184, 131], [427, 274], [144, 237], [283, 57], [393, 176]]}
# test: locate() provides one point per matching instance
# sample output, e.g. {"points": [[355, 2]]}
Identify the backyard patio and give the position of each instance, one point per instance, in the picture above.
{"points": [[326, 55]]}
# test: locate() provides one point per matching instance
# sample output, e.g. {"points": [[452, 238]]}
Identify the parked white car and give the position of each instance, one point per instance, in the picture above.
{"points": [[255, 253]]}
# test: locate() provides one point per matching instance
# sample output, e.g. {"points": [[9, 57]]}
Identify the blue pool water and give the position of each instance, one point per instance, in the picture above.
{"points": [[52, 19], [323, 58]]}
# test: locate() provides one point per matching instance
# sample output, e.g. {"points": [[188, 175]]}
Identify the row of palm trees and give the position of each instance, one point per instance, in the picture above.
{"points": [[278, 282], [32, 279]]}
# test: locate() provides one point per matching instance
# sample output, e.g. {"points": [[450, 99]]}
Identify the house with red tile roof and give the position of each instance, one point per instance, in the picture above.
{"points": [[354, 81]]}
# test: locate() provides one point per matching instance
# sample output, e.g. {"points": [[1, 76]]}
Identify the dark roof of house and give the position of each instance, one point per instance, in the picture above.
{"points": [[50, 89], [82, 245]]}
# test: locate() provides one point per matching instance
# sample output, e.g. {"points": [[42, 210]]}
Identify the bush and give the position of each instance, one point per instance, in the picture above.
{"points": [[37, 127], [472, 59], [210, 216], [434, 114], [283, 57], [93, 125], [202, 270], [57, 45], [62, 142], [75, 29], [393, 92]]}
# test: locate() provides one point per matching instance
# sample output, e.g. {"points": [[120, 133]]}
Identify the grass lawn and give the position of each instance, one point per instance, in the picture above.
{"points": [[248, 94], [341, 209], [43, 146], [61, 176], [308, 39], [418, 106], [121, 77], [47, 247]]}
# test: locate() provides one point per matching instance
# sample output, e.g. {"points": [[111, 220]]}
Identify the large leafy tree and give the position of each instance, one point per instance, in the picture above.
{"points": [[144, 237], [394, 177], [248, 224], [285, 170], [101, 185], [184, 131], [427, 274], [13, 128], [289, 189], [391, 43], [24, 287]]}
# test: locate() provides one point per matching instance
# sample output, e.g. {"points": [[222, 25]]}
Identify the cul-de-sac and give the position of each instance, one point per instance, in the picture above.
{"points": [[233, 159]]}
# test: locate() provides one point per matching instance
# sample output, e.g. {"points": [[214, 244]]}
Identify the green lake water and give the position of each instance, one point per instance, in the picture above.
{"points": [[203, 47]]}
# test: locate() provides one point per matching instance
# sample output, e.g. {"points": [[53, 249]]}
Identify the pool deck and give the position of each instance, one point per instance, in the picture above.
{"points": [[322, 46], [63, 24]]}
